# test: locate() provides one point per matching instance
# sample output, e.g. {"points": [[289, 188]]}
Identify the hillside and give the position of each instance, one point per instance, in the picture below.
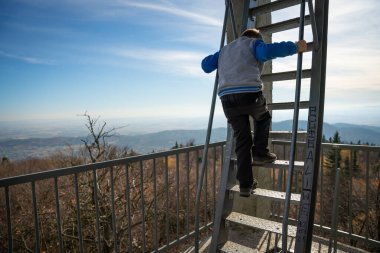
{"points": [[348, 132], [146, 143], [163, 140]]}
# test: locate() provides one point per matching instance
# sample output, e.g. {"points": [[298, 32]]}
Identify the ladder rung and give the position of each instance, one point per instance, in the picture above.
{"points": [[283, 76], [284, 164], [286, 134], [281, 164], [254, 222], [275, 195], [232, 247], [284, 25], [287, 105], [273, 6]]}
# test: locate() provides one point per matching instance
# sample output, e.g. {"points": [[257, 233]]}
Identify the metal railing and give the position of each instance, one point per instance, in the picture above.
{"points": [[349, 179], [136, 204], [147, 203]]}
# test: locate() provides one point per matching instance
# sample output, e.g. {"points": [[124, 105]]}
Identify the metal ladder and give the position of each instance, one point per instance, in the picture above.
{"points": [[307, 199]]}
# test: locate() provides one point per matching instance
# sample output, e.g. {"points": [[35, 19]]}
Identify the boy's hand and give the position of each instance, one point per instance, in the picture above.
{"points": [[301, 46]]}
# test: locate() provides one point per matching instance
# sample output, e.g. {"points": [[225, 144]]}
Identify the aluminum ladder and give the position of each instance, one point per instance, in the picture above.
{"points": [[318, 19]]}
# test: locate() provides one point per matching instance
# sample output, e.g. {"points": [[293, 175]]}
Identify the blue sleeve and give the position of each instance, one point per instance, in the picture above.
{"points": [[265, 52], [210, 63]]}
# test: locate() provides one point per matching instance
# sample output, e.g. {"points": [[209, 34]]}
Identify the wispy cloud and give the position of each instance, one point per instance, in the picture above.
{"points": [[172, 61], [43, 29], [170, 9], [28, 59], [363, 13]]}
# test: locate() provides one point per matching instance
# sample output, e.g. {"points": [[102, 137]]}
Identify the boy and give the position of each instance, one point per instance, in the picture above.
{"points": [[240, 87]]}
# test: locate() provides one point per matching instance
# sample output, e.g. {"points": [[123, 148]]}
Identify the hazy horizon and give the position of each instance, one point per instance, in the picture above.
{"points": [[124, 126], [18, 141]]}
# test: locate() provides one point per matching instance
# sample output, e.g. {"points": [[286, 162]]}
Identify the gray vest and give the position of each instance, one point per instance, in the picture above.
{"points": [[238, 67]]}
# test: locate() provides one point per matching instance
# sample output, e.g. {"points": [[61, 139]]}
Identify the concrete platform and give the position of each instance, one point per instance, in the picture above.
{"points": [[264, 242]]}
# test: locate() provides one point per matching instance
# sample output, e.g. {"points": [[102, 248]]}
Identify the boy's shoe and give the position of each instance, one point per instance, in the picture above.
{"points": [[269, 157], [247, 191]]}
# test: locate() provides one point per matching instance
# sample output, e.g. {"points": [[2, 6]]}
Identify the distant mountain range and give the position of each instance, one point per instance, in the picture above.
{"points": [[163, 140], [348, 132]]}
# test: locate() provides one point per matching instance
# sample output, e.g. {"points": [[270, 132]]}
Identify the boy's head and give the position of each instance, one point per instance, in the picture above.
{"points": [[252, 33]]}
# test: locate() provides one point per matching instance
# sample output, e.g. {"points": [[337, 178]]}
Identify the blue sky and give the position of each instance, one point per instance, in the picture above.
{"points": [[128, 59]]}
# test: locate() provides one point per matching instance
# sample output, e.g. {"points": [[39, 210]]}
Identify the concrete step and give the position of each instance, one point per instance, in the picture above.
{"points": [[232, 247], [258, 223], [283, 164], [275, 195]]}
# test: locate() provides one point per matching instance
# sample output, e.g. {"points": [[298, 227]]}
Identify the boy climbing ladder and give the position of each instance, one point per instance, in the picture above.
{"points": [[240, 89]]}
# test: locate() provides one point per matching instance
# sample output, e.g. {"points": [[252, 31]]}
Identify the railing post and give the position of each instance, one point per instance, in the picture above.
{"points": [[58, 215], [79, 223], [128, 200], [97, 213], [36, 220], [8, 205], [114, 231], [335, 212]]}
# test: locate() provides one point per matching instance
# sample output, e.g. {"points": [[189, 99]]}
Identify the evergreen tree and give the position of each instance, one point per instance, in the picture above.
{"points": [[336, 138], [176, 145], [355, 165], [333, 156]]}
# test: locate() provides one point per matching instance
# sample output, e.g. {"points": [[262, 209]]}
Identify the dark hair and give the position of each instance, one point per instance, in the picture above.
{"points": [[252, 33]]}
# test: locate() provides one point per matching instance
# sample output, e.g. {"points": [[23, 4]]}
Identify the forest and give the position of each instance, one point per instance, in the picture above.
{"points": [[142, 206]]}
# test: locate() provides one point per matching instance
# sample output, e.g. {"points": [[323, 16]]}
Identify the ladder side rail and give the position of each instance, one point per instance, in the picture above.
{"points": [[315, 124], [294, 132], [208, 136], [313, 24], [245, 18], [223, 205], [233, 22]]}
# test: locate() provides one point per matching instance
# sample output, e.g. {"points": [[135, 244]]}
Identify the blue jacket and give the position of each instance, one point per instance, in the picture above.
{"points": [[257, 50]]}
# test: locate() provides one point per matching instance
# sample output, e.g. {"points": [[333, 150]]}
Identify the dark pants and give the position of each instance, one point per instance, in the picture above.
{"points": [[238, 108]]}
